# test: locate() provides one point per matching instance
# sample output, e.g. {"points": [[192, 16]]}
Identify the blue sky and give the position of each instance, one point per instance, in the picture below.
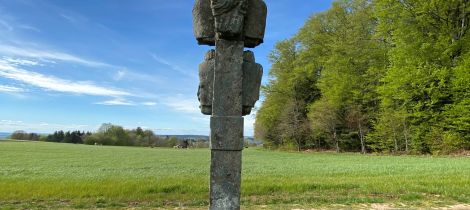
{"points": [[67, 64]]}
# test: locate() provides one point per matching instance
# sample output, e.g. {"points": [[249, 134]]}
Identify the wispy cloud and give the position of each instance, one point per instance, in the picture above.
{"points": [[48, 55], [11, 122], [11, 89], [52, 83], [124, 102], [173, 66], [68, 18], [202, 118], [5, 26], [182, 103], [9, 23], [125, 74], [13, 125], [149, 103], [20, 62], [119, 75], [249, 124], [71, 16], [163, 129], [116, 102], [29, 28]]}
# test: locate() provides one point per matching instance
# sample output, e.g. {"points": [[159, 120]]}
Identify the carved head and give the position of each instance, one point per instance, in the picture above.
{"points": [[243, 20]]}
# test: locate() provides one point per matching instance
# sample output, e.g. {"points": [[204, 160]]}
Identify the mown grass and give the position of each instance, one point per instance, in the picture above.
{"points": [[50, 175]]}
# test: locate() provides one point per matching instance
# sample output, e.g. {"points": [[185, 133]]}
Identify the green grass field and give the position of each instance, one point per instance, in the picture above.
{"points": [[51, 175]]}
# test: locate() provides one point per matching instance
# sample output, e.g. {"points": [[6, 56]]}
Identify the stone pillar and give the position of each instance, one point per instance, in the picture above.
{"points": [[229, 86], [226, 126]]}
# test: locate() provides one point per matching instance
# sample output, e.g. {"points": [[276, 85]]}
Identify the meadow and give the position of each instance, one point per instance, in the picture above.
{"points": [[52, 175]]}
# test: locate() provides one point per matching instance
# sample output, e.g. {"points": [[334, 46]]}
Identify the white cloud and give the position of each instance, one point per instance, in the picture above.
{"points": [[5, 25], [125, 74], [10, 89], [116, 102], [9, 23], [56, 84], [28, 27], [68, 18], [163, 129], [10, 123], [48, 55], [72, 16], [20, 62], [202, 118], [13, 125], [249, 125], [119, 75], [163, 61], [173, 66], [149, 103], [123, 102], [183, 104]]}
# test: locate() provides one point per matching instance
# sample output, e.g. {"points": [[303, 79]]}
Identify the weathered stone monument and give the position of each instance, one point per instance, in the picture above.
{"points": [[229, 85]]}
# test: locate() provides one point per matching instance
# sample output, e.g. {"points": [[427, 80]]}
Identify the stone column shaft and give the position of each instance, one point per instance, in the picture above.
{"points": [[227, 126], [228, 78]]}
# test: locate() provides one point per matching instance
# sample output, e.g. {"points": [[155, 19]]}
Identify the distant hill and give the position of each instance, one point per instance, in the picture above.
{"points": [[183, 137], [206, 138], [4, 135]]}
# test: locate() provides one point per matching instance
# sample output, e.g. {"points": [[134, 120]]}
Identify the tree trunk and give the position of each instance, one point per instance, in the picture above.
{"points": [[405, 133], [395, 140], [464, 18], [361, 137], [336, 141], [296, 123]]}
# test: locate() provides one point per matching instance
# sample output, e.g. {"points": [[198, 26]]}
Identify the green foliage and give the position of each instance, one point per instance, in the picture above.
{"points": [[173, 141], [382, 75], [428, 39], [458, 114], [336, 52], [282, 119], [109, 134], [68, 176], [325, 118], [75, 137], [22, 135]]}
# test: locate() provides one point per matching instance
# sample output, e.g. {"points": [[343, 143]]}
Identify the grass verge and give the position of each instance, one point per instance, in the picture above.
{"points": [[51, 175]]}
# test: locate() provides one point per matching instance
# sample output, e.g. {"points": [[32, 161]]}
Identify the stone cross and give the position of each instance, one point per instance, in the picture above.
{"points": [[229, 85]]}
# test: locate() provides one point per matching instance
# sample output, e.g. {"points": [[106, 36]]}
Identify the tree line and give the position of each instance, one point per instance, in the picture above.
{"points": [[388, 76], [114, 135]]}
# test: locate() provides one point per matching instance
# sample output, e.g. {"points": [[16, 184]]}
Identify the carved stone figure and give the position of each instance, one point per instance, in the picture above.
{"points": [[229, 86], [251, 82], [252, 74], [229, 16], [203, 23], [255, 23], [206, 82], [243, 20]]}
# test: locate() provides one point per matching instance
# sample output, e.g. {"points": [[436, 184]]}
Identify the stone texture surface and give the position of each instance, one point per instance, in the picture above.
{"points": [[226, 112], [252, 75], [206, 83], [255, 23], [203, 22], [251, 82], [225, 180], [225, 74], [228, 79], [226, 133], [229, 14]]}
